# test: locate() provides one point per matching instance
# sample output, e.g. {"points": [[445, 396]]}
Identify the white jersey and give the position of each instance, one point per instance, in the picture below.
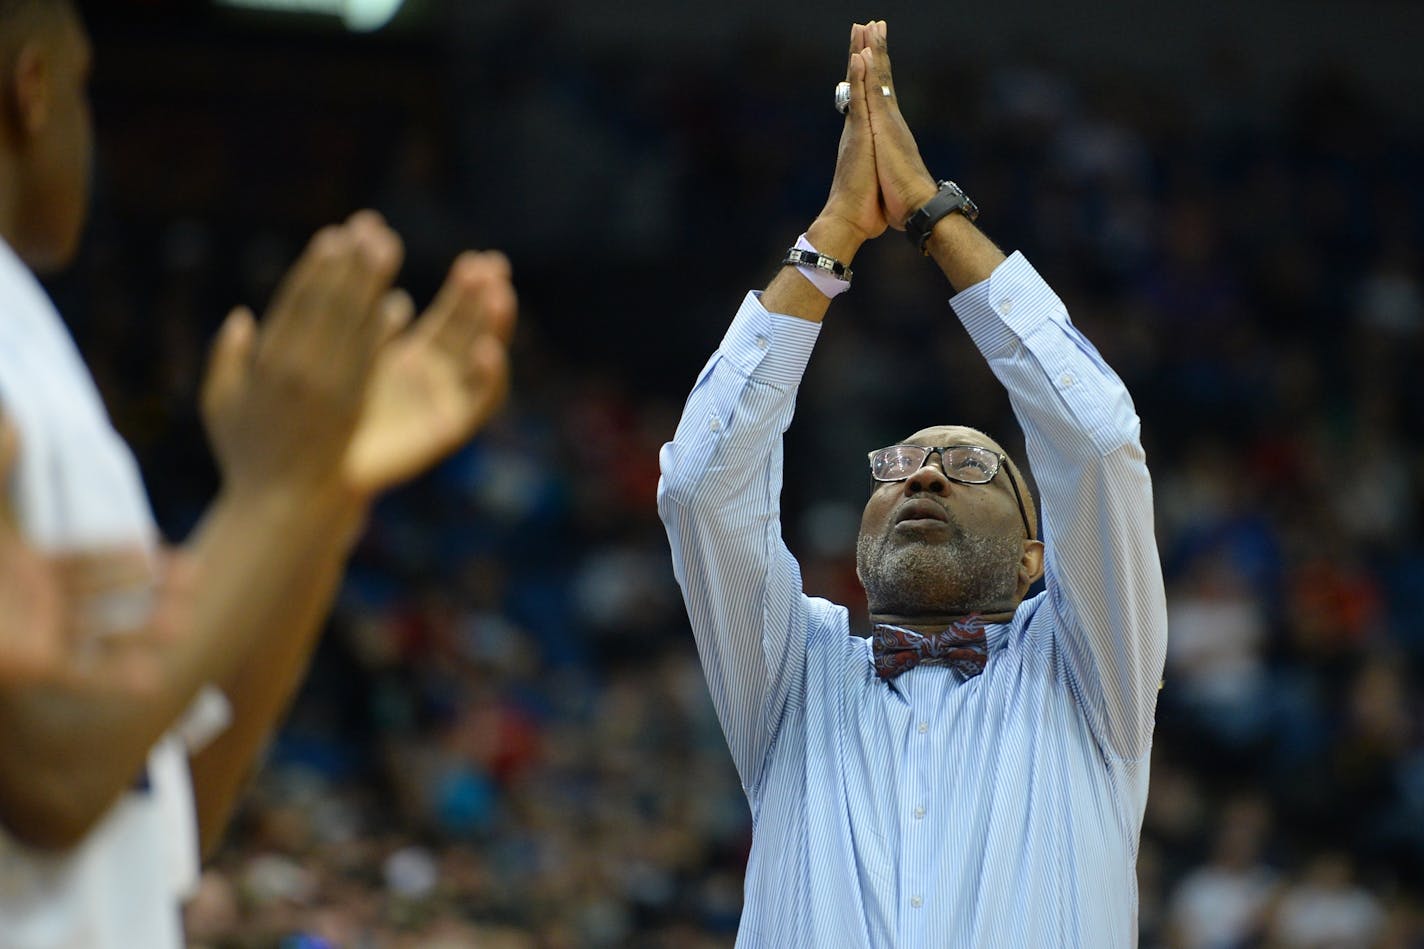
{"points": [[77, 485]]}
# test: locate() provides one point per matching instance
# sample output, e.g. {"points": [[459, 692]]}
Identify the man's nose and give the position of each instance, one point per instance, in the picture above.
{"points": [[929, 479]]}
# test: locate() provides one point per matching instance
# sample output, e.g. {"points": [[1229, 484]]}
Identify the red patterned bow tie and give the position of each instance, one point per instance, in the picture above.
{"points": [[962, 647]]}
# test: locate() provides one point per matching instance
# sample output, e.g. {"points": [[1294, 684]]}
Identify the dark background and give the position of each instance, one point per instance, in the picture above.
{"points": [[505, 739]]}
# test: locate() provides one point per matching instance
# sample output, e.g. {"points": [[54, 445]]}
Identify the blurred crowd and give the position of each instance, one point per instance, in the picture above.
{"points": [[506, 740]]}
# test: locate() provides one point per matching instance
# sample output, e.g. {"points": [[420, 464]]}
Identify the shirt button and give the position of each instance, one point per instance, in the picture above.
{"points": [[919, 813], [1067, 380], [923, 727], [1006, 306], [917, 901], [715, 424], [761, 342]]}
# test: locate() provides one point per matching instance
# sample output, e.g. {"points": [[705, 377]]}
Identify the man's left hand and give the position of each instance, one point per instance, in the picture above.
{"points": [[905, 183]]}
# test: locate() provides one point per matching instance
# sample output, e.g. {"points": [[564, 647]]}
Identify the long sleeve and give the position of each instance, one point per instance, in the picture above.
{"points": [[720, 498], [1102, 572]]}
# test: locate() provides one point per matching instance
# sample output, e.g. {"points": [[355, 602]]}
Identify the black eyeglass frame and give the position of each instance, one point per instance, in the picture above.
{"points": [[929, 450]]}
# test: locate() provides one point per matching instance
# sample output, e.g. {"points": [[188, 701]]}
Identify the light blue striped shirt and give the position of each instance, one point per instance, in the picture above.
{"points": [[999, 810]]}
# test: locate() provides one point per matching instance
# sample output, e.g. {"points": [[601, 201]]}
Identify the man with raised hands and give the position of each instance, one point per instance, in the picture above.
{"points": [[972, 769]]}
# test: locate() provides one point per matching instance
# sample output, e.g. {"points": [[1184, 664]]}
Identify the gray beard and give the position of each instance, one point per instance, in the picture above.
{"points": [[966, 573]]}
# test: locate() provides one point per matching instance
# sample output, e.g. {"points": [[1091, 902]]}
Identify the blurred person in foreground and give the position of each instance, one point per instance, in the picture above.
{"points": [[44, 623], [108, 793], [973, 772]]}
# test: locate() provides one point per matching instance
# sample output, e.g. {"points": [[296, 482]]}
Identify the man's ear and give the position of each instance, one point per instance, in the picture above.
{"points": [[1030, 565], [29, 92]]}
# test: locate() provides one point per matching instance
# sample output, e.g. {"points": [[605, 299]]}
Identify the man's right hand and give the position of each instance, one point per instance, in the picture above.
{"points": [[905, 183], [854, 204], [964, 254], [281, 401]]}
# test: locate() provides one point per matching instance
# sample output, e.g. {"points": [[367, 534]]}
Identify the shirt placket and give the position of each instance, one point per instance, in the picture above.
{"points": [[915, 820]]}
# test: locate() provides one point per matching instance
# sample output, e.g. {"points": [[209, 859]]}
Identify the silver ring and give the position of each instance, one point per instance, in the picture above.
{"points": [[843, 97]]}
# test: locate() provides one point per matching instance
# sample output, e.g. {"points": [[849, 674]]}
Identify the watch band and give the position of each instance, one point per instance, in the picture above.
{"points": [[950, 198]]}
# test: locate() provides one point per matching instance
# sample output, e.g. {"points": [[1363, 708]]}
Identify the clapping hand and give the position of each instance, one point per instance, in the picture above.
{"points": [[338, 390], [282, 401], [439, 381]]}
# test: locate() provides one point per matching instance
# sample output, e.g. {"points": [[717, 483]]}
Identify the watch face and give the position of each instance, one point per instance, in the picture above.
{"points": [[968, 208], [949, 199]]}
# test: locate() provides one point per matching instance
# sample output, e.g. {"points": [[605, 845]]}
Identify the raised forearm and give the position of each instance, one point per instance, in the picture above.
{"points": [[962, 251], [279, 610], [791, 293]]}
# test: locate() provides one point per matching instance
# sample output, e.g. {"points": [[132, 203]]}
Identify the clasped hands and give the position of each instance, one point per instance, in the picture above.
{"points": [[880, 178]]}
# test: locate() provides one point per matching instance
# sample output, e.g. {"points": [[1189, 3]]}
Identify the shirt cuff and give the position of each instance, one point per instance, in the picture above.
{"points": [[769, 347], [1008, 306]]}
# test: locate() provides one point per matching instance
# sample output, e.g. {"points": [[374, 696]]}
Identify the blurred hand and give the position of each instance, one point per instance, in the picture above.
{"points": [[855, 192], [91, 621], [281, 402], [905, 183], [438, 382]]}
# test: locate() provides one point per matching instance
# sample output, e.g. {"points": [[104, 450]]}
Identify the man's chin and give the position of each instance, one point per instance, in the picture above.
{"points": [[910, 592]]}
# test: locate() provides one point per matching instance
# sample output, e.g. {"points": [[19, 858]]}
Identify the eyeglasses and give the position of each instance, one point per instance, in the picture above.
{"points": [[967, 464]]}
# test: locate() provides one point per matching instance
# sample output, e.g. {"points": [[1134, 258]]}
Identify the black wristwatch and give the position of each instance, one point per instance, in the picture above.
{"points": [[951, 198]]}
